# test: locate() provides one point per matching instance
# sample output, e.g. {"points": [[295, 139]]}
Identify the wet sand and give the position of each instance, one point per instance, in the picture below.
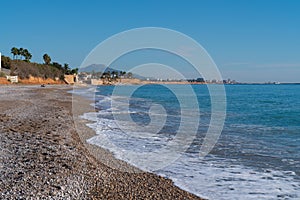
{"points": [[43, 153]]}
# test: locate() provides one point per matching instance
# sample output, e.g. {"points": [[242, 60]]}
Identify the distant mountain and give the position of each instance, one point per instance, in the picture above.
{"points": [[97, 68], [139, 77]]}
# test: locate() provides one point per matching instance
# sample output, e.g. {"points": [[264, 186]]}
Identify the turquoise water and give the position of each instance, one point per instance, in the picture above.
{"points": [[266, 118], [256, 157]]}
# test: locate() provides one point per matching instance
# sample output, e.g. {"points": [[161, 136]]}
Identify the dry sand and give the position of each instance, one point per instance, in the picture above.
{"points": [[43, 155]]}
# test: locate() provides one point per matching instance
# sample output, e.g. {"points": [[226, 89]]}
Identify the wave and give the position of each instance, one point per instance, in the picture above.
{"points": [[250, 160], [212, 177]]}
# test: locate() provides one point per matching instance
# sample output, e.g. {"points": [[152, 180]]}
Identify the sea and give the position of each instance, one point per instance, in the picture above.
{"points": [[256, 156]]}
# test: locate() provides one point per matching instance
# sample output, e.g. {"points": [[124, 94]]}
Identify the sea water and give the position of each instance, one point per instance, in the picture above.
{"points": [[257, 154]]}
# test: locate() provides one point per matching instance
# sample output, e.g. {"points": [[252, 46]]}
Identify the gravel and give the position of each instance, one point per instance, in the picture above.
{"points": [[43, 155]]}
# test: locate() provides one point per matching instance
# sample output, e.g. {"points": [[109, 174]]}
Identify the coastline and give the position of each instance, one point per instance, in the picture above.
{"points": [[44, 155]]}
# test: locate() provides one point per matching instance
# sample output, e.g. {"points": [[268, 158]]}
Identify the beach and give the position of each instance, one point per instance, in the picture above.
{"points": [[114, 100], [44, 156]]}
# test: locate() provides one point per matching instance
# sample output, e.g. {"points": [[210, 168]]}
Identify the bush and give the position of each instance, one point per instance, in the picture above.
{"points": [[2, 74], [25, 70], [5, 62]]}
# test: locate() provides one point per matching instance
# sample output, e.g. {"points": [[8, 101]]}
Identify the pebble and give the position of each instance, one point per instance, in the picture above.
{"points": [[42, 157]]}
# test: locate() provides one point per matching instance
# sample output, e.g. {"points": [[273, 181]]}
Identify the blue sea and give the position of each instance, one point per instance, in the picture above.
{"points": [[257, 155]]}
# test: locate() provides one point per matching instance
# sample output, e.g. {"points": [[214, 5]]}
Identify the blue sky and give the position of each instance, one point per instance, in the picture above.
{"points": [[257, 40]]}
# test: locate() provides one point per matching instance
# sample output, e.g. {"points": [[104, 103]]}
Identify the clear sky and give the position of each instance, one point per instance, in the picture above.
{"points": [[254, 40]]}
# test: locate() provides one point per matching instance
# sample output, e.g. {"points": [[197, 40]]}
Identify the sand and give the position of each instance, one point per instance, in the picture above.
{"points": [[44, 156]]}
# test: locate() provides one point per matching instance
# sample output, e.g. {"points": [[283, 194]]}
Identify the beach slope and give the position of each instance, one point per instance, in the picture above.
{"points": [[43, 157]]}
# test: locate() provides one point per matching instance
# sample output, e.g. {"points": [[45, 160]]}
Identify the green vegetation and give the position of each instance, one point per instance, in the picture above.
{"points": [[111, 76], [14, 51], [24, 69], [69, 71], [2, 74], [47, 59], [21, 66], [5, 62], [122, 73], [22, 53]]}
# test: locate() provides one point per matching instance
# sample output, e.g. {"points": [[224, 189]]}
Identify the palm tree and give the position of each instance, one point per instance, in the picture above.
{"points": [[66, 68], [114, 74], [74, 71], [47, 59], [27, 55], [14, 51], [21, 52], [122, 73]]}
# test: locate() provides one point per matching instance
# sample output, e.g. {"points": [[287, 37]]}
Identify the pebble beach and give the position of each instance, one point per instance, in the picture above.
{"points": [[44, 156]]}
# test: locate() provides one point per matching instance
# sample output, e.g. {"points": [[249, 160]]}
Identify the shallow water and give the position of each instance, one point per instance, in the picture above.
{"points": [[256, 157]]}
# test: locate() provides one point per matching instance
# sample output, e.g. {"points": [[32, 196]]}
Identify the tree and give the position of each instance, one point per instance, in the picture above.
{"points": [[105, 75], [27, 55], [57, 65], [21, 52], [122, 73], [47, 59], [69, 71], [14, 51], [114, 74], [74, 71], [5, 62], [66, 68]]}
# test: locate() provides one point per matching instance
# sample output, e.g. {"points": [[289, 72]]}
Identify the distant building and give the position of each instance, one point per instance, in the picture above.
{"points": [[229, 81], [84, 76]]}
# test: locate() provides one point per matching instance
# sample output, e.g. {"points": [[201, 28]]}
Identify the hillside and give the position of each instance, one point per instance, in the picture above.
{"points": [[32, 72], [24, 70]]}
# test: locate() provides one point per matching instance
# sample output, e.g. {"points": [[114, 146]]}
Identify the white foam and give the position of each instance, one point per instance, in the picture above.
{"points": [[218, 179], [212, 178]]}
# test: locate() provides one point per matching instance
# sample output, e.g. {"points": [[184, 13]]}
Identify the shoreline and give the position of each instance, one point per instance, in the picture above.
{"points": [[103, 155], [44, 155]]}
